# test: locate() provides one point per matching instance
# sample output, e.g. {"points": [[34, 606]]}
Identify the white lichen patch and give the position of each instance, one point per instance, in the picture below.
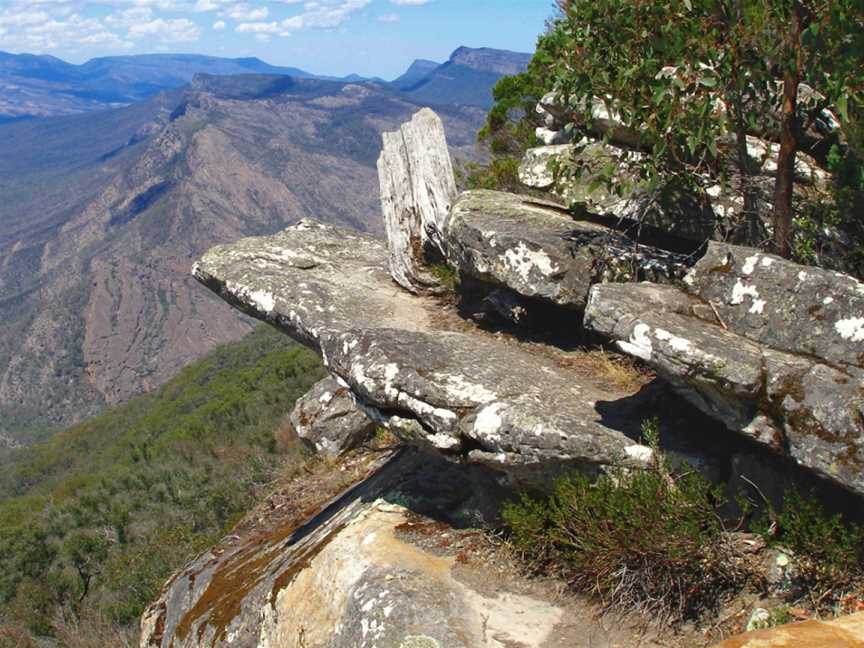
{"points": [[851, 329], [740, 290], [457, 387], [758, 306], [521, 260], [488, 423], [639, 344], [443, 441], [750, 264], [767, 261], [828, 300], [678, 344]]}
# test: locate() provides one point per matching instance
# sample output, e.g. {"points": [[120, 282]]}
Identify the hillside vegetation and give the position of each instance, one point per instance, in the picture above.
{"points": [[93, 521]]}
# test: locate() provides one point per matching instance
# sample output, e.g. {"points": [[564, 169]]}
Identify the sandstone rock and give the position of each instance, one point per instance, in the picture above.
{"points": [[534, 169], [459, 391], [540, 251], [764, 345], [845, 632], [328, 419], [782, 304], [551, 137], [344, 578], [417, 190]]}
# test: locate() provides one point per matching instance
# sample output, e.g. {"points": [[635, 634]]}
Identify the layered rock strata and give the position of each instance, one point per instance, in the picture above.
{"points": [[538, 250], [771, 348], [440, 384]]}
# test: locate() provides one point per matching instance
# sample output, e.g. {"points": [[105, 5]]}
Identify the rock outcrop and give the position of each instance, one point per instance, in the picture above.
{"points": [[393, 560], [433, 381], [577, 174], [329, 420], [417, 191], [481, 411], [538, 250], [771, 348]]}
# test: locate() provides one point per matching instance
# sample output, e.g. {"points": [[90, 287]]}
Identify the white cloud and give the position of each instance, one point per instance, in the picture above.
{"points": [[129, 17], [219, 25], [258, 28], [389, 18], [179, 30], [37, 31], [410, 3], [246, 13]]}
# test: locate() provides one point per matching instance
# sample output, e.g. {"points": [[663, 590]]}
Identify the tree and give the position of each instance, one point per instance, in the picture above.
{"points": [[824, 46], [697, 76]]}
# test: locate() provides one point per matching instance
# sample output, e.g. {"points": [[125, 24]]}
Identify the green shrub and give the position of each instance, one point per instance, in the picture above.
{"points": [[829, 554], [642, 539], [500, 174]]}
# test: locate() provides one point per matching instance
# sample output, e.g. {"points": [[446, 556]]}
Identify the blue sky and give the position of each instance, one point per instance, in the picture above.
{"points": [[369, 37]]}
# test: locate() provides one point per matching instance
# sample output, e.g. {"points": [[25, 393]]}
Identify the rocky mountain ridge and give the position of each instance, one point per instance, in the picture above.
{"points": [[101, 218], [40, 86]]}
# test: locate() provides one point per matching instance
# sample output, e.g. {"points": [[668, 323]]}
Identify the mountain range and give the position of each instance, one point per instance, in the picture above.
{"points": [[32, 85], [101, 215]]}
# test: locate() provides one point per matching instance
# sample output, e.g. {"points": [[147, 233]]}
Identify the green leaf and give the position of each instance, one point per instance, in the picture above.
{"points": [[843, 107]]}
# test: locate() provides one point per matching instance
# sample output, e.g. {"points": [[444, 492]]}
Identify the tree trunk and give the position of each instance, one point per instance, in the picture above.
{"points": [[783, 187], [751, 231], [782, 215], [754, 233]]}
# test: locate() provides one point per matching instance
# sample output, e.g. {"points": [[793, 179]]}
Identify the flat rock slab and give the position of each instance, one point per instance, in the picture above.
{"points": [[460, 392], [784, 305], [795, 404], [540, 251], [396, 560]]}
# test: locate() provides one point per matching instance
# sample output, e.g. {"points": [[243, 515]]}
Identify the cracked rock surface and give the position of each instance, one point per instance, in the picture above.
{"points": [[539, 251], [328, 418], [458, 391], [769, 347]]}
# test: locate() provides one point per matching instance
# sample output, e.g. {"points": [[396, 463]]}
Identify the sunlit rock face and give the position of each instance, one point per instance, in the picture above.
{"points": [[771, 348]]}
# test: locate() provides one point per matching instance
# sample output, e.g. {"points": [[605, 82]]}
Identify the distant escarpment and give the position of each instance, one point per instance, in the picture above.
{"points": [[466, 336], [101, 218]]}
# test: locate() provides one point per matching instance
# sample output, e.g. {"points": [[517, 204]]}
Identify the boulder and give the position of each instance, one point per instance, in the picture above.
{"points": [[538, 250], [436, 383], [766, 346], [329, 420], [417, 191], [784, 305]]}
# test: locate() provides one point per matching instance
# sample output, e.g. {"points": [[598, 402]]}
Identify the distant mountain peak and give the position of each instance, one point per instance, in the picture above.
{"points": [[487, 59], [416, 72]]}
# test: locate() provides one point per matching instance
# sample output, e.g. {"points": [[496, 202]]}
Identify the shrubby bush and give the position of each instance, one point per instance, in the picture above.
{"points": [[645, 539]]}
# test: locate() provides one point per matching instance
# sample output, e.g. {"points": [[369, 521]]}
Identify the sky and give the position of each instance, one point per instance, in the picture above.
{"points": [[338, 37]]}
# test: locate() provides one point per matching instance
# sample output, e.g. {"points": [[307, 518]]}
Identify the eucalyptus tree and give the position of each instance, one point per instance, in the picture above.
{"points": [[691, 76]]}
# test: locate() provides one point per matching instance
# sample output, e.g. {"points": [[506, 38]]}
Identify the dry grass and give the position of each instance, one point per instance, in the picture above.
{"points": [[611, 369]]}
